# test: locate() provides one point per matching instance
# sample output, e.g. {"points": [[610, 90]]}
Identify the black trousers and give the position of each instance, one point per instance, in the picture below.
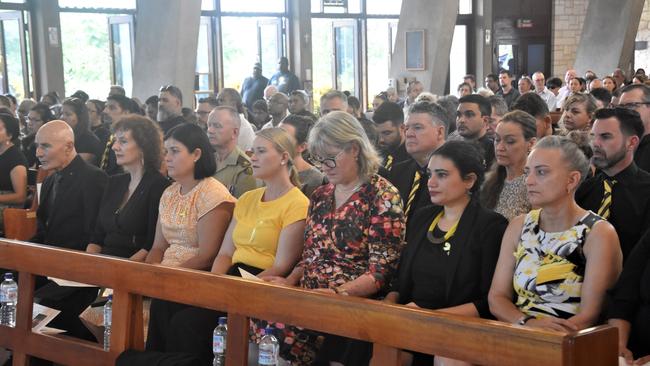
{"points": [[184, 329], [71, 301]]}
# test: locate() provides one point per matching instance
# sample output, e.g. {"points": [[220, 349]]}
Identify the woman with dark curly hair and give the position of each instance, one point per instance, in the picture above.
{"points": [[75, 114], [126, 223]]}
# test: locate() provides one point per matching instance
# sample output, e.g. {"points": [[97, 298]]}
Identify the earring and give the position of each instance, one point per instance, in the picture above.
{"points": [[282, 163]]}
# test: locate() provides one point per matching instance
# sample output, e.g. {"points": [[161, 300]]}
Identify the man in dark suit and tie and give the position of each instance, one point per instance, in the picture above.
{"points": [[425, 130], [66, 215]]}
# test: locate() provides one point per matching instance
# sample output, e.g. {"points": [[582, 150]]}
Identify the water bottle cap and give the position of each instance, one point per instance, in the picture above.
{"points": [[223, 320], [9, 276], [268, 330], [110, 297]]}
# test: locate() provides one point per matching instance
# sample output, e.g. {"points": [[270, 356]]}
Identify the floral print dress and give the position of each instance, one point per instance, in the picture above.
{"points": [[365, 235]]}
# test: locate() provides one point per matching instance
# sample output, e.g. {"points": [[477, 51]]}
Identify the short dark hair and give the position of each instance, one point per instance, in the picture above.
{"points": [[210, 100], [467, 157], [581, 80], [492, 77], [301, 124], [482, 102], [99, 105], [81, 95], [603, 95], [644, 88], [125, 103], [389, 111], [152, 100], [173, 90], [504, 71], [531, 103], [12, 126], [4, 101], [12, 99], [553, 83], [629, 121], [193, 137], [44, 111], [147, 136], [261, 104], [80, 109], [471, 77], [354, 103]]}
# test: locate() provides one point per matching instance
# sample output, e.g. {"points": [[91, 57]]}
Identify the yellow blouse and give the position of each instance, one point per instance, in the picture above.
{"points": [[259, 225], [179, 215]]}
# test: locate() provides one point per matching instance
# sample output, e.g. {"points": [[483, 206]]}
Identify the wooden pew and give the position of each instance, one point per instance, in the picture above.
{"points": [[389, 327], [20, 223]]}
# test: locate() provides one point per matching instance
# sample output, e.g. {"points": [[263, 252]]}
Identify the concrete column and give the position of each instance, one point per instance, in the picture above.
{"points": [[484, 46], [166, 39], [46, 40], [299, 50], [607, 39], [437, 19]]}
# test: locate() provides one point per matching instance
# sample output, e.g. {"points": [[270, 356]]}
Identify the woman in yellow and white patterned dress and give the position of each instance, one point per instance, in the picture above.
{"points": [[558, 260]]}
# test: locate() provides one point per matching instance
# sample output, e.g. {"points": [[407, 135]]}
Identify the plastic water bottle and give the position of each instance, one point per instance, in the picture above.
{"points": [[269, 346], [8, 300], [219, 337], [108, 315]]}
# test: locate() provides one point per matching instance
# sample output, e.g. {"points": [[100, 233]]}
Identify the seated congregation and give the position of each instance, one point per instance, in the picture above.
{"points": [[468, 206]]}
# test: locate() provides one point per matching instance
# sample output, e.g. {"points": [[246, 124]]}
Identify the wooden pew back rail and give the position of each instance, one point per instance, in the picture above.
{"points": [[389, 327]]}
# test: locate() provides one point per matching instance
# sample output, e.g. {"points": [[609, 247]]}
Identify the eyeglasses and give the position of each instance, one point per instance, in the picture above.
{"points": [[328, 162], [633, 105]]}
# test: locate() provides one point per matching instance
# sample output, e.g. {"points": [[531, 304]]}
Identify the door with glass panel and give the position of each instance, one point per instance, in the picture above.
{"points": [[120, 33], [14, 69], [345, 42], [269, 44]]}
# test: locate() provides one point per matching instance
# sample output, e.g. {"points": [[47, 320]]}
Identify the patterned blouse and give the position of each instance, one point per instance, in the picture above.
{"points": [[550, 267], [513, 199], [363, 236], [179, 215]]}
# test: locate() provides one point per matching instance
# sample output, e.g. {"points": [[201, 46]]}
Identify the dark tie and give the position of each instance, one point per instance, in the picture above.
{"points": [[53, 192], [109, 145], [606, 203], [389, 162], [414, 190]]}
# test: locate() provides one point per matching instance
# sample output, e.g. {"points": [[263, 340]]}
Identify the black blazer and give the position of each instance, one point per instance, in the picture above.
{"points": [[71, 221], [402, 176], [474, 252]]}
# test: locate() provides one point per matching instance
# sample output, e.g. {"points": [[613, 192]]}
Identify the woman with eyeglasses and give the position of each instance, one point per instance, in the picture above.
{"points": [[452, 247], [75, 114], [354, 232]]}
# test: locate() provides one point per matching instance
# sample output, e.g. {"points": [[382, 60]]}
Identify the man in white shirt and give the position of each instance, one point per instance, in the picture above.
{"points": [[540, 88], [565, 91]]}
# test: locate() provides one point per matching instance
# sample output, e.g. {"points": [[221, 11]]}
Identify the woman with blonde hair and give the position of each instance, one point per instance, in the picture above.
{"points": [[354, 233]]}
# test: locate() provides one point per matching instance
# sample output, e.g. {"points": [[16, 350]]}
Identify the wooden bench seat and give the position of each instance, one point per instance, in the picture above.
{"points": [[389, 327]]}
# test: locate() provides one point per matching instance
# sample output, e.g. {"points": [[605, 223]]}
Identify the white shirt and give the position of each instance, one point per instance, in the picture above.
{"points": [[562, 95], [549, 98], [246, 134]]}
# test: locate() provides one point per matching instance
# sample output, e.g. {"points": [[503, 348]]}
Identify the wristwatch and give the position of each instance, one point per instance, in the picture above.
{"points": [[524, 319]]}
